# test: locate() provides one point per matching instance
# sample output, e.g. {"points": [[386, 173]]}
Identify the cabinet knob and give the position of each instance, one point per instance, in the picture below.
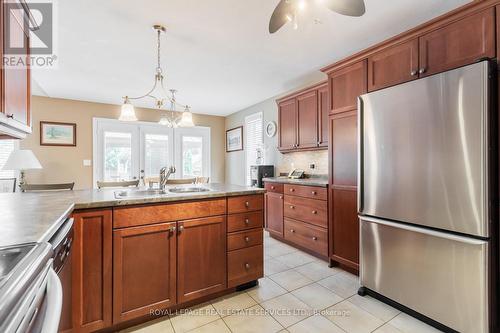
{"points": [[292, 207], [314, 212], [314, 192], [272, 187], [247, 239], [247, 265], [414, 72], [292, 231], [292, 190], [315, 238], [247, 204], [421, 70], [247, 221], [281, 197], [172, 229], [181, 228]]}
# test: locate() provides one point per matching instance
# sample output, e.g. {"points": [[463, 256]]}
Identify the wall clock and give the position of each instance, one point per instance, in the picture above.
{"points": [[270, 129]]}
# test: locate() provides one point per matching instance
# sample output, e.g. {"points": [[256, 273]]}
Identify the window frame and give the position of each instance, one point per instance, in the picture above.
{"points": [[250, 118]]}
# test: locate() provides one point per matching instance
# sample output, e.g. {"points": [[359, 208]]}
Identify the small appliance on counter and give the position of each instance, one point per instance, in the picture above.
{"points": [[257, 172], [296, 174]]}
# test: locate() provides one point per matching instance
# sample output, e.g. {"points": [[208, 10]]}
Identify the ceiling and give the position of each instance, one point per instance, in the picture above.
{"points": [[217, 53]]}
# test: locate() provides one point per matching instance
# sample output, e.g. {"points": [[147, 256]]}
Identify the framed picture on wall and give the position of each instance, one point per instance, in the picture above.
{"points": [[234, 139], [57, 134]]}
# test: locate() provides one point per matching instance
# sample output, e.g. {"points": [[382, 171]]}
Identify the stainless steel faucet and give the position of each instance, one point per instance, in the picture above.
{"points": [[164, 174]]}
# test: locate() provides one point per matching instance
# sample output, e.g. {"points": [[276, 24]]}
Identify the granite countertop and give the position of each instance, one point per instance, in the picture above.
{"points": [[321, 181], [35, 217]]}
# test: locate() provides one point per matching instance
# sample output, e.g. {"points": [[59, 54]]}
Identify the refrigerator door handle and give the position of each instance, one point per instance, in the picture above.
{"points": [[360, 155], [420, 230]]}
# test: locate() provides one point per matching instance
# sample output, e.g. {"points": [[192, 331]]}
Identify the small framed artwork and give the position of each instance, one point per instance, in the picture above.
{"points": [[234, 139], [57, 134]]}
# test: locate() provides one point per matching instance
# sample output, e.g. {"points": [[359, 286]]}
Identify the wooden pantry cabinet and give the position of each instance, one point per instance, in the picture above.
{"points": [[301, 118]]}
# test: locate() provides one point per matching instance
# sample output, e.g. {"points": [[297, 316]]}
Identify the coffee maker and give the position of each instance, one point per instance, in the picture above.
{"points": [[257, 172]]}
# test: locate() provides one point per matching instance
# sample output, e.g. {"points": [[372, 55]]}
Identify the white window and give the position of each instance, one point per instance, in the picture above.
{"points": [[254, 141], [7, 147], [127, 151]]}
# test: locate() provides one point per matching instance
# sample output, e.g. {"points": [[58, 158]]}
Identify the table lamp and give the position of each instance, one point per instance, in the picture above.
{"points": [[22, 160]]}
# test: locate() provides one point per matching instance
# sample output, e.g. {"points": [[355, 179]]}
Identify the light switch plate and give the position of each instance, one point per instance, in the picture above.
{"points": [[87, 162]]}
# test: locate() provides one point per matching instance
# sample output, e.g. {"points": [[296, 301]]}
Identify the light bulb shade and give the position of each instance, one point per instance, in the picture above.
{"points": [[186, 120], [164, 121], [128, 112], [22, 159]]}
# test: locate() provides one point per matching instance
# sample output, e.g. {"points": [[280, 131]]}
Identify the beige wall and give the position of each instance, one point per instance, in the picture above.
{"points": [[65, 164]]}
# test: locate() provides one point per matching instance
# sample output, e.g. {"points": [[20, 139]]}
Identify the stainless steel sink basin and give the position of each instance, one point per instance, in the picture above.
{"points": [[138, 194], [188, 189]]}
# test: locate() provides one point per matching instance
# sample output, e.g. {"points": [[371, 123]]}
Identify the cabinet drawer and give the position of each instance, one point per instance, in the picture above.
{"points": [[245, 265], [151, 214], [245, 203], [274, 187], [243, 239], [244, 221], [308, 236], [308, 210], [312, 192]]}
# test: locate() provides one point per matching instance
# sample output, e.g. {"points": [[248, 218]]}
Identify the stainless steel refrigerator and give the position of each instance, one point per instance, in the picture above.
{"points": [[427, 191]]}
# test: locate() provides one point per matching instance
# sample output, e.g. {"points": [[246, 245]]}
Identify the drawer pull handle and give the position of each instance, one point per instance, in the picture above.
{"points": [[292, 231], [247, 221], [281, 197], [315, 238], [292, 190], [292, 207], [314, 212], [247, 266], [272, 187], [247, 239], [314, 192], [247, 204]]}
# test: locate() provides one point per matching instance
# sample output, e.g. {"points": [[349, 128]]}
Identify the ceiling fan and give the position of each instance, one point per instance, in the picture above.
{"points": [[288, 10]]}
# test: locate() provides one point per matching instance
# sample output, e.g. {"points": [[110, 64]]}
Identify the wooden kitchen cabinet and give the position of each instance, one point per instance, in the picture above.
{"points": [[287, 124], [144, 270], [92, 270], [344, 149], [307, 120], [201, 257], [393, 65], [323, 111], [15, 81], [274, 213], [345, 85], [459, 43]]}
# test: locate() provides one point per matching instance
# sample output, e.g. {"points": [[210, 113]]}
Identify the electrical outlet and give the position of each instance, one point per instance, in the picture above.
{"points": [[312, 166], [87, 163]]}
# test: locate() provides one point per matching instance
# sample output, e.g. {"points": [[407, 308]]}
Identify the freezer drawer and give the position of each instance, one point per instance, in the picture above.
{"points": [[440, 275]]}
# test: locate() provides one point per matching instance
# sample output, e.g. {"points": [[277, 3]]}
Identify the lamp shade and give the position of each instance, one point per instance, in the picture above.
{"points": [[128, 112], [187, 119], [22, 159]]}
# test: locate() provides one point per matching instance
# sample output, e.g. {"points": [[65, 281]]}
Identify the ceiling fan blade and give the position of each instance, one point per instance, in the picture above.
{"points": [[278, 19], [347, 7]]}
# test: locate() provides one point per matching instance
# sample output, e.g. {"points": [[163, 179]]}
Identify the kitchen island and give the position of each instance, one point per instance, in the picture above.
{"points": [[136, 256]]}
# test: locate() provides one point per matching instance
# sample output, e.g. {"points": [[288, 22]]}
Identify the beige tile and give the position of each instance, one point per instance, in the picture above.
{"points": [[343, 284], [278, 250], [317, 296], [380, 310], [266, 289], [194, 317], [252, 320], [273, 266], [290, 280], [315, 324], [387, 328], [217, 326], [287, 309], [161, 325], [407, 324], [296, 259], [317, 270], [234, 302], [353, 319]]}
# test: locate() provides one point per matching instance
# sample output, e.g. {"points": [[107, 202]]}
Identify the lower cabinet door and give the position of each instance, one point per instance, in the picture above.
{"points": [[201, 257], [144, 270], [274, 213]]}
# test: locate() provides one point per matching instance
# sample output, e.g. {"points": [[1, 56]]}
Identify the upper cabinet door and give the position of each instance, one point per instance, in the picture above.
{"points": [[307, 114], [393, 65], [287, 118], [345, 85], [323, 111], [459, 43], [16, 80]]}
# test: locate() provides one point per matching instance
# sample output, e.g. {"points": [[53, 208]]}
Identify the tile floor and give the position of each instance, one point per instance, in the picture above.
{"points": [[299, 293]]}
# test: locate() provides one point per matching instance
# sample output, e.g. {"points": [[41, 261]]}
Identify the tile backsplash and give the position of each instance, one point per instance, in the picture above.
{"points": [[302, 160]]}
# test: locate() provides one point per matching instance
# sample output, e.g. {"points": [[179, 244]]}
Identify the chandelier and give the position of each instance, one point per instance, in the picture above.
{"points": [[160, 97]]}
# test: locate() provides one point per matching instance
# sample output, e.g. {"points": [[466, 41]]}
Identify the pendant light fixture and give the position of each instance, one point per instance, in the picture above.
{"points": [[169, 117]]}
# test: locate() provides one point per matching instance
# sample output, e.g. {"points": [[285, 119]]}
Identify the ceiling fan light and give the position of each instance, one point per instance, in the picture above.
{"points": [[127, 112], [302, 5], [289, 18], [187, 119]]}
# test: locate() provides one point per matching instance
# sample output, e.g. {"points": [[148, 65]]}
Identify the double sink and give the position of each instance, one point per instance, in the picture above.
{"points": [[155, 193]]}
